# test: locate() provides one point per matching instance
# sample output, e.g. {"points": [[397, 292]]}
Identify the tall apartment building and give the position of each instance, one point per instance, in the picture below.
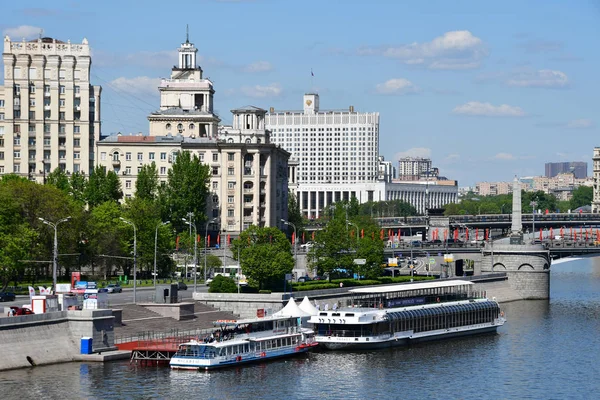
{"points": [[412, 168], [249, 175], [49, 111], [493, 188], [596, 180], [578, 168]]}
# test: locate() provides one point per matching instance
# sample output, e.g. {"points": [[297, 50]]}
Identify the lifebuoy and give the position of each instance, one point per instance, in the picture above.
{"points": [[238, 358], [263, 354]]}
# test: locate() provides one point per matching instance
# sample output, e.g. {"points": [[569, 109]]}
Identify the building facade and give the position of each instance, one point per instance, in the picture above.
{"points": [[249, 175], [49, 110], [493, 188], [577, 168], [412, 168], [330, 146], [596, 180]]}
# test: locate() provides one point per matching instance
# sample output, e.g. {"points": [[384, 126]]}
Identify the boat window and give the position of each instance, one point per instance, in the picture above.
{"points": [[323, 314], [349, 314], [335, 314]]}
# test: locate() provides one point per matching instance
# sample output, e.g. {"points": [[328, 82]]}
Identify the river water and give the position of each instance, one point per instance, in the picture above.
{"points": [[547, 350]]}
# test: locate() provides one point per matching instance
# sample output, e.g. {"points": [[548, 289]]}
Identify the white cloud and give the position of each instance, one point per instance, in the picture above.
{"points": [[580, 124], [451, 158], [422, 152], [477, 108], [452, 50], [138, 84], [543, 78], [396, 86], [259, 66], [23, 31], [258, 91], [504, 156]]}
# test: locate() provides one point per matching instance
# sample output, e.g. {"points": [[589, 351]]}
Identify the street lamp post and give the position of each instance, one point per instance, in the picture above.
{"points": [[134, 257], [155, 245], [412, 266], [55, 255], [206, 244], [352, 223], [533, 205], [295, 238], [195, 249]]}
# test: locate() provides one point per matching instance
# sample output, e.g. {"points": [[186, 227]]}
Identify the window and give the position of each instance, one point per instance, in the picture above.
{"points": [[76, 155], [230, 171], [61, 102], [201, 157], [151, 156], [31, 128], [1, 103], [17, 154], [230, 156], [215, 185], [17, 168], [179, 127], [231, 185], [17, 89], [140, 157], [128, 156], [76, 129], [168, 126], [76, 168], [77, 143], [163, 156], [46, 89], [215, 157], [191, 127], [17, 141], [46, 128], [230, 199], [62, 128], [1, 155], [102, 155], [1, 130], [1, 116], [128, 184], [163, 170], [17, 114], [61, 89], [31, 102], [215, 171], [231, 212], [47, 142], [77, 89], [128, 170], [62, 73], [31, 114], [61, 115], [32, 88]]}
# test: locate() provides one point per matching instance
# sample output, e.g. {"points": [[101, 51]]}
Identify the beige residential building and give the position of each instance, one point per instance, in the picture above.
{"points": [[49, 111], [249, 175], [596, 180], [493, 188]]}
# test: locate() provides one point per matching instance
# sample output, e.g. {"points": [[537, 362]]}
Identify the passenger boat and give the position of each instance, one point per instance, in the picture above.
{"points": [[243, 341], [396, 315]]}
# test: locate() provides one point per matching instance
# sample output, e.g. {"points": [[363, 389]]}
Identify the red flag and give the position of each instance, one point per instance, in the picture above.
{"points": [[562, 232], [445, 234], [313, 235], [581, 231], [198, 239], [586, 236], [597, 234], [177, 243], [228, 239], [467, 233], [487, 234], [551, 234], [390, 234], [293, 238], [575, 236], [208, 239], [546, 211], [541, 234], [362, 233], [218, 239], [476, 233], [455, 234]]}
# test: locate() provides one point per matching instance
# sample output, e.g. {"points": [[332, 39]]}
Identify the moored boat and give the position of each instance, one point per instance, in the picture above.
{"points": [[248, 340], [396, 315]]}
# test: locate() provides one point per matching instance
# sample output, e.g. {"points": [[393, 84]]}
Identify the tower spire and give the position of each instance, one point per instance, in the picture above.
{"points": [[187, 33]]}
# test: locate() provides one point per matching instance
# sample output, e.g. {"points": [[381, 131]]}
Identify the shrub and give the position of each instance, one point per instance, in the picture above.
{"points": [[222, 284], [264, 292]]}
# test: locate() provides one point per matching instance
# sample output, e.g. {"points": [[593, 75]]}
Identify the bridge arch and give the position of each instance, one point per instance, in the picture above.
{"points": [[526, 267], [498, 267]]}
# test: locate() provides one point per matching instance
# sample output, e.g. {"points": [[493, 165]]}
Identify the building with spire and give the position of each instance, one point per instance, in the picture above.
{"points": [[249, 174], [49, 110]]}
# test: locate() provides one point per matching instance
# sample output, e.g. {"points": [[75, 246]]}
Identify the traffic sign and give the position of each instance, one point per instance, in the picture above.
{"points": [[360, 261], [432, 260]]}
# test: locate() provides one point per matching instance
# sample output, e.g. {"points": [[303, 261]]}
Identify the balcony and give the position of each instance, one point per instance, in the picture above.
{"points": [[77, 95], [248, 190], [263, 204], [46, 94], [248, 218], [47, 107], [116, 163], [248, 204]]}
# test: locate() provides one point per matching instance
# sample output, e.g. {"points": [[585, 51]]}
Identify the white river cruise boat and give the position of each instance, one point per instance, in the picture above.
{"points": [[243, 341], [396, 315]]}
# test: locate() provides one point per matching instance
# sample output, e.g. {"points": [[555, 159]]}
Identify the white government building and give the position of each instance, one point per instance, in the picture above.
{"points": [[49, 111], [335, 156], [249, 178]]}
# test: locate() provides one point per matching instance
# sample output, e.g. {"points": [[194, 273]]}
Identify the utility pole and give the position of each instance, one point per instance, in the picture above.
{"points": [[55, 255]]}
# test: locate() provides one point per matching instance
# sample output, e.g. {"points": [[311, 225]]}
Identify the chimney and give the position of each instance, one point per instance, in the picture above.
{"points": [[351, 108], [272, 110]]}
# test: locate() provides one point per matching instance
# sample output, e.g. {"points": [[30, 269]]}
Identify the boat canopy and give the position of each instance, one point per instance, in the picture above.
{"points": [[438, 310], [410, 286]]}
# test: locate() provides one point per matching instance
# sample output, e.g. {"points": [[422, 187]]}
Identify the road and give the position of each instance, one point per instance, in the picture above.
{"points": [[143, 294]]}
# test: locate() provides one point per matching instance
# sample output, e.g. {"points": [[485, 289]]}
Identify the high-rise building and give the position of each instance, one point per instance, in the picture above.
{"points": [[596, 180], [249, 175], [578, 168], [49, 111], [412, 168]]}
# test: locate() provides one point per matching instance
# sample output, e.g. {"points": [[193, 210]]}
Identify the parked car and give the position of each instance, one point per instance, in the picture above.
{"points": [[114, 288], [7, 296], [319, 278], [306, 246], [20, 311], [415, 243], [304, 279], [182, 286]]}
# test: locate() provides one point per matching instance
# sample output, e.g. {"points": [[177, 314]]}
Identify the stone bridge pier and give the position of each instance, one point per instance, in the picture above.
{"points": [[526, 265]]}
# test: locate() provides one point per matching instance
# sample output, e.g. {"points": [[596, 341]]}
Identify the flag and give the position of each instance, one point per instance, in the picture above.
{"points": [[198, 238], [455, 234], [551, 234], [541, 234], [177, 243], [487, 234], [313, 235], [208, 239], [467, 233], [311, 72], [390, 234], [476, 233], [362, 233], [562, 232], [218, 239], [31, 292], [445, 234], [228, 239], [294, 238]]}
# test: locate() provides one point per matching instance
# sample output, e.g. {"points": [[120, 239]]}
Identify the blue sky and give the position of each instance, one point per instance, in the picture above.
{"points": [[487, 89]]}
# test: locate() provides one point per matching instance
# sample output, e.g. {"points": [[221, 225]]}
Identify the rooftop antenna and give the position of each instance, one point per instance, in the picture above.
{"points": [[41, 32], [187, 33]]}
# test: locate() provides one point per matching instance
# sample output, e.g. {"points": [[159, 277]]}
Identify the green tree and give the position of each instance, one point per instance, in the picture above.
{"points": [[582, 196], [146, 185], [187, 189], [59, 179], [77, 185], [294, 213], [102, 187], [543, 201], [370, 248], [222, 284], [265, 256], [107, 236]]}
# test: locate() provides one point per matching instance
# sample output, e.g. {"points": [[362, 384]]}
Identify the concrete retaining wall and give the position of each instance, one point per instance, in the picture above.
{"points": [[53, 337]]}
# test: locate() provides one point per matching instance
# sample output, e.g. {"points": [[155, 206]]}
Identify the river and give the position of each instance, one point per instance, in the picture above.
{"points": [[547, 350]]}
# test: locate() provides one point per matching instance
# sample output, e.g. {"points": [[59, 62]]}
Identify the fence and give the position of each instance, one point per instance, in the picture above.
{"points": [[173, 336]]}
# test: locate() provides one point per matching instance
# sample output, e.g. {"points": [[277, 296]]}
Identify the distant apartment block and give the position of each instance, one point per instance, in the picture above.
{"points": [[578, 168], [49, 111], [596, 180], [412, 168], [561, 186], [493, 188]]}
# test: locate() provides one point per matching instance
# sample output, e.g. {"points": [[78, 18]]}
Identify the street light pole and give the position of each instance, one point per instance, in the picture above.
{"points": [[295, 238], [533, 205], [195, 248], [155, 245], [206, 244], [55, 252], [134, 257]]}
